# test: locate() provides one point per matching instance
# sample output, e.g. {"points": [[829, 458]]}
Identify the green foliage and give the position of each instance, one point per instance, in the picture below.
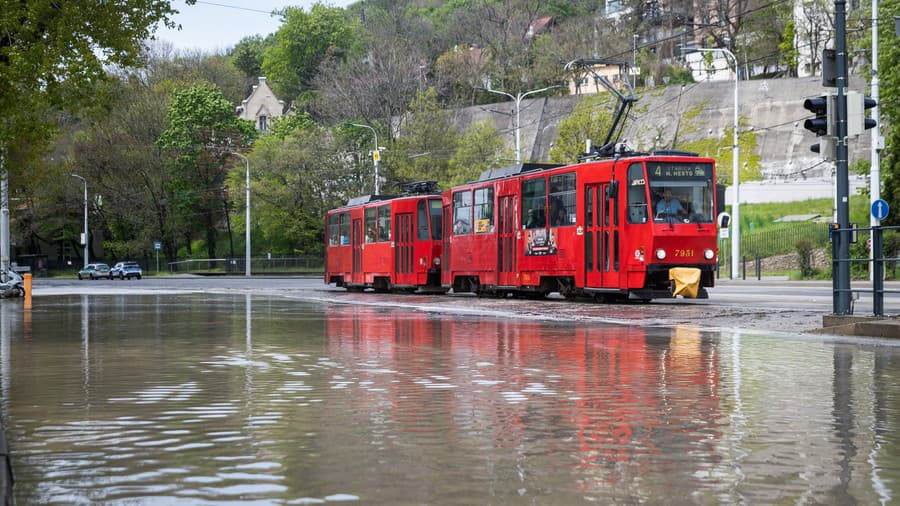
{"points": [[282, 126], [805, 258], [427, 141], [51, 56], [247, 55], [481, 148], [789, 54], [591, 119], [303, 42]]}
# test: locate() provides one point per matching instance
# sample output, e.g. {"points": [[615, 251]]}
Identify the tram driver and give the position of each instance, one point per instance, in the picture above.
{"points": [[668, 206]]}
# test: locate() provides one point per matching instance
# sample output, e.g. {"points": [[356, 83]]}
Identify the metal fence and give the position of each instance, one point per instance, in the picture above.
{"points": [[258, 265], [772, 250]]}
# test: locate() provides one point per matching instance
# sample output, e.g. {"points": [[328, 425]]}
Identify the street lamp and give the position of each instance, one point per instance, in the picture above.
{"points": [[735, 175], [375, 155], [247, 226], [518, 100], [86, 239]]}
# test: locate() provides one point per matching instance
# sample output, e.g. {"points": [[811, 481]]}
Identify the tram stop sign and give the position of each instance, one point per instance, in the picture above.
{"points": [[880, 209]]}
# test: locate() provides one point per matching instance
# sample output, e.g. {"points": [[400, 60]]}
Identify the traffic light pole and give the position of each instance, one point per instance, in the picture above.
{"points": [[841, 274]]}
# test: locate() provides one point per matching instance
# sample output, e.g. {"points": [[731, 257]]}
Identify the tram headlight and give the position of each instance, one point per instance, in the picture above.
{"points": [[437, 261], [709, 254], [661, 254]]}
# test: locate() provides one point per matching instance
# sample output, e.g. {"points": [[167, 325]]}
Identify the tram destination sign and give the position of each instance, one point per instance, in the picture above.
{"points": [[679, 170]]}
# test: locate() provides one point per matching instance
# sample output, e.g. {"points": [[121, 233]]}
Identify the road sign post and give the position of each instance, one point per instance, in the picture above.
{"points": [[157, 246]]}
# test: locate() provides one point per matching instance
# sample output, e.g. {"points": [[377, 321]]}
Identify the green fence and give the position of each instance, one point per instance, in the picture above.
{"points": [[772, 242]]}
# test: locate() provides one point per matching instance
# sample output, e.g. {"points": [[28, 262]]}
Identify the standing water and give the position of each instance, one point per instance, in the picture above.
{"points": [[193, 399]]}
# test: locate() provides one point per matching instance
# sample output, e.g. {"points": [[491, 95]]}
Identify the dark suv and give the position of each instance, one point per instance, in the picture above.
{"points": [[124, 270]]}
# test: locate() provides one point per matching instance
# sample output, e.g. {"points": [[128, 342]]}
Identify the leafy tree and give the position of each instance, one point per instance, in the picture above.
{"points": [[889, 104], [591, 119], [304, 41], [296, 179], [200, 126], [789, 54], [426, 143], [52, 52], [247, 55], [481, 148]]}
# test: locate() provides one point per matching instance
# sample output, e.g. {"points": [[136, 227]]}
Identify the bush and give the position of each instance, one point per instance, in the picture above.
{"points": [[805, 258]]}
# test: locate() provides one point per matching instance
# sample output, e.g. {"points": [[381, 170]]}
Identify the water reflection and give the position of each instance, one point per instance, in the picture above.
{"points": [[199, 398]]}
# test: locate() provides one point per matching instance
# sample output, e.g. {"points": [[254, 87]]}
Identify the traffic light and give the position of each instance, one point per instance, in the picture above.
{"points": [[857, 122], [823, 108], [868, 103]]}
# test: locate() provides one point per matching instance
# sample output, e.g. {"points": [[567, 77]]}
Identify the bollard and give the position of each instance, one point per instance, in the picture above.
{"points": [[758, 268], [27, 283], [744, 268]]}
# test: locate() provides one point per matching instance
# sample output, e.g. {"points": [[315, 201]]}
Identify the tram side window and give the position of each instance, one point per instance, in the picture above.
{"points": [[437, 227], [345, 228], [637, 194], [371, 233], [462, 213], [422, 219], [534, 203], [562, 200], [384, 223], [484, 210], [334, 229]]}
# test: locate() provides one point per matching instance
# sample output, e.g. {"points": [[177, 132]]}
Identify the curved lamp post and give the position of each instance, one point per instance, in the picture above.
{"points": [[86, 238], [517, 98]]}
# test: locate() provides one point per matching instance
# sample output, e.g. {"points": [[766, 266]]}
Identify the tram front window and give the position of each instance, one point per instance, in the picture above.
{"points": [[681, 192]]}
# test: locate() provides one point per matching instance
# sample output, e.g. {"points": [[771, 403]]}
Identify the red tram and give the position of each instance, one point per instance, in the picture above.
{"points": [[386, 243], [630, 227]]}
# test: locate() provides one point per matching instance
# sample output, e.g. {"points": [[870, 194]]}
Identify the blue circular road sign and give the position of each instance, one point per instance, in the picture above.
{"points": [[880, 209]]}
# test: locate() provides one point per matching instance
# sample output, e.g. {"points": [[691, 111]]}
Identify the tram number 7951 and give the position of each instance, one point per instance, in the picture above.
{"points": [[684, 253]]}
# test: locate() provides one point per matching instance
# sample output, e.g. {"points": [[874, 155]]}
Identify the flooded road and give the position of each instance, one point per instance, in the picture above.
{"points": [[252, 398]]}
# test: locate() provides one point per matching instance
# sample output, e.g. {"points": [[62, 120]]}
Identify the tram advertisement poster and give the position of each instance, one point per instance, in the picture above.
{"points": [[540, 242]]}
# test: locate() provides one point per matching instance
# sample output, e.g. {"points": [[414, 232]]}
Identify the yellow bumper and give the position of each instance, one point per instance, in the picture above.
{"points": [[687, 281]]}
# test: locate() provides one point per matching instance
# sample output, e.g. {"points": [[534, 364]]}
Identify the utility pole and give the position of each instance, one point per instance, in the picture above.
{"points": [[376, 155], [4, 218], [86, 235]]}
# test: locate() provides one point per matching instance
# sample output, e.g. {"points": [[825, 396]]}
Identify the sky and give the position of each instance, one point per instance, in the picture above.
{"points": [[216, 25]]}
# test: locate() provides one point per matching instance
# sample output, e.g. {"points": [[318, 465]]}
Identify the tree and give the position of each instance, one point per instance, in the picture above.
{"points": [[247, 55], [591, 119], [481, 148], [426, 142], [889, 104], [304, 41], [201, 126], [51, 53]]}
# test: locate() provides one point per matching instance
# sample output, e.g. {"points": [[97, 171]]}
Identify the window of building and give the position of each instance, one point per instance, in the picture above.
{"points": [[484, 210], [263, 124]]}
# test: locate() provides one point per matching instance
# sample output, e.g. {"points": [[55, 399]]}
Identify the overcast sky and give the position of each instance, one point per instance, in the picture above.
{"points": [[216, 25]]}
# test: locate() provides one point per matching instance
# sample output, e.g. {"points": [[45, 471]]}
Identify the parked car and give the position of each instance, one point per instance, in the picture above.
{"points": [[95, 271], [124, 270]]}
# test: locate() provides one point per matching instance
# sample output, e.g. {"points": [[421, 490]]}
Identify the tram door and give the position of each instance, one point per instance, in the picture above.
{"points": [[356, 241], [506, 249], [445, 246], [403, 249], [601, 237]]}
